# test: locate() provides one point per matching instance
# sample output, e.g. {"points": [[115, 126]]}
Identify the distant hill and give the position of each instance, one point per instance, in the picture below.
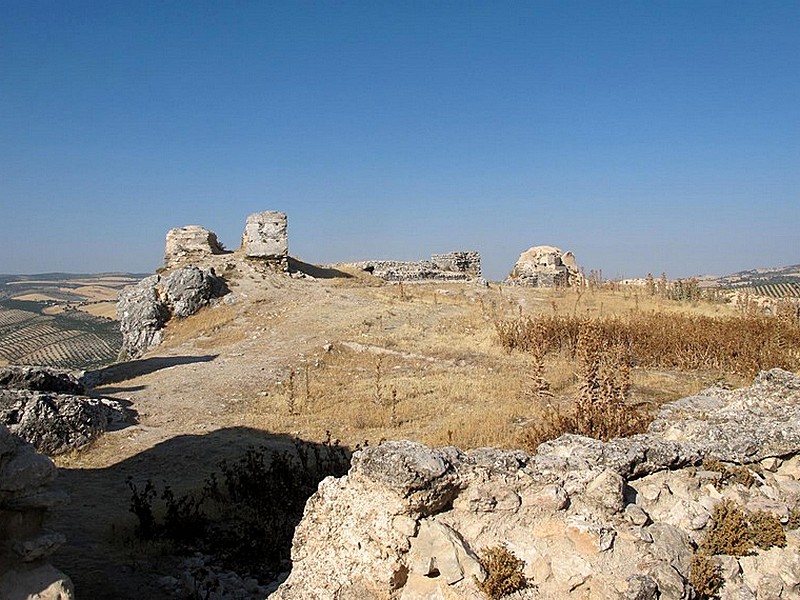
{"points": [[775, 282]]}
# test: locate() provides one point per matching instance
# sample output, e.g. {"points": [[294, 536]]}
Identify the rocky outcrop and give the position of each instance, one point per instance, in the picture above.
{"points": [[589, 519], [265, 237], [144, 309], [42, 379], [47, 409], [546, 266], [452, 266], [190, 243], [26, 492]]}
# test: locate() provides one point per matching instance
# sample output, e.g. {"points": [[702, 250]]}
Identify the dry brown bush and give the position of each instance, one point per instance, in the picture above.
{"points": [[601, 409], [743, 344], [504, 574]]}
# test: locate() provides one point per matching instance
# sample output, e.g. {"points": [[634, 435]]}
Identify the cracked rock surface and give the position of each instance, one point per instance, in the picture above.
{"points": [[589, 519]]}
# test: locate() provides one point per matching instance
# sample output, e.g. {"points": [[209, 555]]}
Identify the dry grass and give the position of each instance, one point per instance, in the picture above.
{"points": [[504, 573], [741, 344], [211, 327], [436, 352], [428, 364], [107, 310]]}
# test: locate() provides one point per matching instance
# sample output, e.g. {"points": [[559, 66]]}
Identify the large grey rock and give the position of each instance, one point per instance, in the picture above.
{"points": [[32, 408], [42, 379], [191, 242], [744, 426], [589, 519], [56, 423], [546, 266], [144, 309], [141, 315], [265, 236], [187, 290]]}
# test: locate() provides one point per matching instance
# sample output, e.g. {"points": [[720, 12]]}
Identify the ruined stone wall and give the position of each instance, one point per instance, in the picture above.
{"points": [[265, 237], [459, 262], [546, 266], [191, 242], [452, 266]]}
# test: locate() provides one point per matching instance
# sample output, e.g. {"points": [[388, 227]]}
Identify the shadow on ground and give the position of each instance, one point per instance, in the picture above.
{"points": [[134, 368], [102, 556], [316, 271]]}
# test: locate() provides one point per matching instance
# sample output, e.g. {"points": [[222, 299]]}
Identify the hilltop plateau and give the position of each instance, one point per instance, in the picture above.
{"points": [[289, 368]]}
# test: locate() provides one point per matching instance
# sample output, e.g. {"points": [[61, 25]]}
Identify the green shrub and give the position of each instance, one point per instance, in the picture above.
{"points": [[246, 514]]}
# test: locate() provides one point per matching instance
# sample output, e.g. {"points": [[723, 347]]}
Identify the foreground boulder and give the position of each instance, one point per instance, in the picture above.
{"points": [[546, 266], [47, 408], [589, 519], [144, 309], [26, 492]]}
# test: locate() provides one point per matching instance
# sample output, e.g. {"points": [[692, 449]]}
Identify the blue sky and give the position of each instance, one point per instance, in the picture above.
{"points": [[644, 136]]}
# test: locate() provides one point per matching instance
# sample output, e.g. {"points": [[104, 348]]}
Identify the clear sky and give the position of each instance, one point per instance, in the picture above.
{"points": [[643, 135]]}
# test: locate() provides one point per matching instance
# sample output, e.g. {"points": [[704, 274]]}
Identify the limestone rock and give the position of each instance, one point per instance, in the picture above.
{"points": [[26, 491], [187, 290], [56, 423], [42, 379], [43, 582], [144, 309], [742, 426], [438, 551], [265, 236], [589, 519], [546, 266], [191, 242]]}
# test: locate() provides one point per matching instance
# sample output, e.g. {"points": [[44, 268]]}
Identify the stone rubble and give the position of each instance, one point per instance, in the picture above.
{"points": [[452, 266], [589, 519], [200, 576], [546, 266]]}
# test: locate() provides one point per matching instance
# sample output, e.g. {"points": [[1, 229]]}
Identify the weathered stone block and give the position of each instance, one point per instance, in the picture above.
{"points": [[265, 236], [190, 242]]}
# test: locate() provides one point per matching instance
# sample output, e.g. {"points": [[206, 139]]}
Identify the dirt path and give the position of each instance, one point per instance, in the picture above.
{"points": [[192, 398]]}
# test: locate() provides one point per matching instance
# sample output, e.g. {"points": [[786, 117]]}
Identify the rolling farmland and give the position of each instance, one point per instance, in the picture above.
{"points": [[72, 339], [47, 320]]}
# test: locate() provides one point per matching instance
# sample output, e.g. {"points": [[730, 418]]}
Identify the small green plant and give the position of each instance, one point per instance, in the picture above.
{"points": [[246, 513], [504, 574], [142, 506], [735, 532]]}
